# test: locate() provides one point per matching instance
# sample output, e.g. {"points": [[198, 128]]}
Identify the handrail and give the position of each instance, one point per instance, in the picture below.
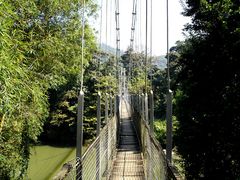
{"points": [[155, 163], [97, 160]]}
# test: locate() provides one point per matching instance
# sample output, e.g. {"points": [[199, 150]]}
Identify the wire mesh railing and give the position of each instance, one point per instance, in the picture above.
{"points": [[96, 162], [155, 163]]}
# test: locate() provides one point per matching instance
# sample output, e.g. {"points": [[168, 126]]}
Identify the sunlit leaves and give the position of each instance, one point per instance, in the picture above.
{"points": [[39, 50]]}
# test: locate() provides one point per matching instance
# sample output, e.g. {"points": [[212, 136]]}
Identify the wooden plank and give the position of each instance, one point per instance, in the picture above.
{"points": [[128, 164]]}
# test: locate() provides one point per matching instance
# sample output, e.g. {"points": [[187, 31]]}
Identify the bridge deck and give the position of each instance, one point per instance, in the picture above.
{"points": [[128, 164]]}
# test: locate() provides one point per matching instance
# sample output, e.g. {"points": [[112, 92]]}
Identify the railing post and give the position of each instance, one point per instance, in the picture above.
{"points": [[139, 103], [142, 99], [169, 127], [140, 123], [79, 135], [146, 107], [130, 99], [151, 112], [110, 129], [115, 106], [107, 134], [151, 119], [106, 108], [118, 118], [111, 105], [98, 113], [149, 155], [98, 163], [134, 102]]}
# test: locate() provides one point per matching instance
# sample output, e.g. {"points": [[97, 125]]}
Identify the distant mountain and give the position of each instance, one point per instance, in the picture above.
{"points": [[160, 62], [110, 49]]}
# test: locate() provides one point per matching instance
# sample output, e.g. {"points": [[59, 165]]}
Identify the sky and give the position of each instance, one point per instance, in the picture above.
{"points": [[159, 28]]}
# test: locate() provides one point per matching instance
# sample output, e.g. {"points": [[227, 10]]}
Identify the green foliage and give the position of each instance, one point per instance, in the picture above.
{"points": [[159, 81], [23, 103], [39, 47], [61, 126], [159, 84], [160, 130], [134, 64], [105, 73], [208, 97]]}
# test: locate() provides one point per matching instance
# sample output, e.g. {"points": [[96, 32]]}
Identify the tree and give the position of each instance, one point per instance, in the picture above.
{"points": [[208, 98], [133, 62], [159, 81], [22, 99], [39, 51], [61, 126]]}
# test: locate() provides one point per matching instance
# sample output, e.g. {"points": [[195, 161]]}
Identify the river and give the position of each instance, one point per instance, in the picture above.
{"points": [[46, 161]]}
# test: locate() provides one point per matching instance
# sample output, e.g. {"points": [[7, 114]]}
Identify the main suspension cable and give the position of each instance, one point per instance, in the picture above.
{"points": [[168, 101], [106, 23], [134, 13], [146, 46], [140, 24], [110, 23], [100, 43], [151, 70], [117, 38], [100, 30], [168, 63]]}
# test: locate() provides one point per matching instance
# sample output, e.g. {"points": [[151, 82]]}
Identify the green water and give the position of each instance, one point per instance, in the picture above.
{"points": [[46, 161]]}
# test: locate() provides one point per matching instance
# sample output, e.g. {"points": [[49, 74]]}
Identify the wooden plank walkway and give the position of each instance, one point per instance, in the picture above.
{"points": [[128, 164]]}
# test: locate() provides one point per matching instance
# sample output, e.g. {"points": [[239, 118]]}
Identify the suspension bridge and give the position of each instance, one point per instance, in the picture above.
{"points": [[125, 148]]}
